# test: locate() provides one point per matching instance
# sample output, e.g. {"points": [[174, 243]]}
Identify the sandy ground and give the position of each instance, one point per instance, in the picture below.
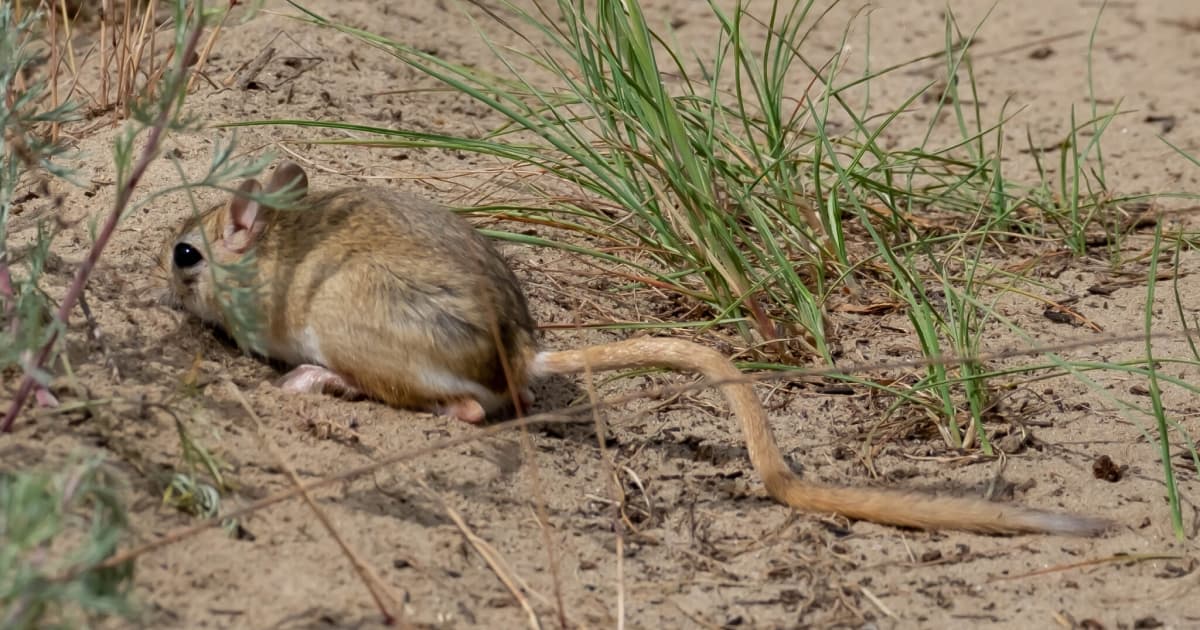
{"points": [[704, 547]]}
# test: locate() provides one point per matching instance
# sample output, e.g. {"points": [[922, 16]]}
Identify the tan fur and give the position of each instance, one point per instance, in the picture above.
{"points": [[880, 506], [379, 324], [408, 302]]}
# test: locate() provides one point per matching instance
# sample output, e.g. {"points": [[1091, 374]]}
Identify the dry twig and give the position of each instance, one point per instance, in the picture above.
{"points": [[542, 419], [494, 560], [384, 598], [124, 194]]}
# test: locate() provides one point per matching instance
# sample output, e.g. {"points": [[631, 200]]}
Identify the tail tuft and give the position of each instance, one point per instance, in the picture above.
{"points": [[539, 367], [1063, 524]]}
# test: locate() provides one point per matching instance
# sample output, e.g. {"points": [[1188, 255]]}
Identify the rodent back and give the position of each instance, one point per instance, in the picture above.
{"points": [[417, 277], [433, 259]]}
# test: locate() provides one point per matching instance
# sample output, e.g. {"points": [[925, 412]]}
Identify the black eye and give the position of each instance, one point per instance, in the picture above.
{"points": [[187, 256]]}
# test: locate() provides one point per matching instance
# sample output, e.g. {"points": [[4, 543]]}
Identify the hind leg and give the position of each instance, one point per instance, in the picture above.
{"points": [[465, 409], [316, 379], [421, 387], [321, 380], [407, 364], [451, 396], [462, 399]]}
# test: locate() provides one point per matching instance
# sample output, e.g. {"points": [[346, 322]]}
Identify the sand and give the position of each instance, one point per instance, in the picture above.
{"points": [[703, 545]]}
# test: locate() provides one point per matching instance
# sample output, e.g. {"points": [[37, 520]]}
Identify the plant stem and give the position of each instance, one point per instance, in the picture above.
{"points": [[124, 193]]}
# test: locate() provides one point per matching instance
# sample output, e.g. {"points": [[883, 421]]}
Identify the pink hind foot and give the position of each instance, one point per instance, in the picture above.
{"points": [[318, 380], [467, 410], [471, 410]]}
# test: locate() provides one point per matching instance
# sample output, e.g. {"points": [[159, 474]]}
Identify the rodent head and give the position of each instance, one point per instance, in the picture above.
{"points": [[206, 250]]}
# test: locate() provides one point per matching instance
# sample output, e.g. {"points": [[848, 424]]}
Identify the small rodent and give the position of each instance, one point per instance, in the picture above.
{"points": [[370, 291]]}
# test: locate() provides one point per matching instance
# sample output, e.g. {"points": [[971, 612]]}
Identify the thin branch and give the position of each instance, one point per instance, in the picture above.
{"points": [[184, 533], [149, 152], [494, 560], [385, 600], [542, 419]]}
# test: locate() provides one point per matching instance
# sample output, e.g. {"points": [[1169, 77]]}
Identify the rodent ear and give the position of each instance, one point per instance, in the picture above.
{"points": [[243, 222], [291, 176]]}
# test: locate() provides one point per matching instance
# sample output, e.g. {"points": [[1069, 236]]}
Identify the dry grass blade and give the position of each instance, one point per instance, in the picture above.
{"points": [[208, 46], [614, 490], [542, 419], [384, 598], [129, 62], [494, 560], [539, 499], [878, 603], [1090, 563]]}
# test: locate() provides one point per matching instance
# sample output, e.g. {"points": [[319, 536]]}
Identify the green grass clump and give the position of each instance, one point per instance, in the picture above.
{"points": [[726, 184], [54, 532], [58, 529], [757, 182]]}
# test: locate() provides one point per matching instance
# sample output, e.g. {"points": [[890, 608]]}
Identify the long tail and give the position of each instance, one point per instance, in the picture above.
{"points": [[908, 509]]}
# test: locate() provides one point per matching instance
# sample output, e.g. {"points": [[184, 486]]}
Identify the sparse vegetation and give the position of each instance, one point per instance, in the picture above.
{"points": [[47, 576], [754, 183], [728, 186], [56, 530]]}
